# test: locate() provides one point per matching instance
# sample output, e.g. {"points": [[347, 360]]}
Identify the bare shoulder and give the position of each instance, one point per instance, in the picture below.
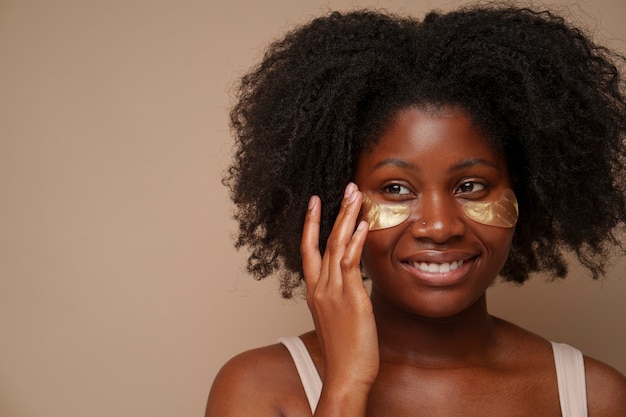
{"points": [[606, 389], [260, 382]]}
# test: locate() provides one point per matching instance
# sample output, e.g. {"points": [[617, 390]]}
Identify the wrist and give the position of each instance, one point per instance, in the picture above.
{"points": [[343, 399]]}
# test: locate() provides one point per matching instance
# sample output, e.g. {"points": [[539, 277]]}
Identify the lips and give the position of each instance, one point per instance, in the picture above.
{"points": [[441, 268]]}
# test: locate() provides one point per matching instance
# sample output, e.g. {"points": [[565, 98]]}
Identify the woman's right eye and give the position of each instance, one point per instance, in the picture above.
{"points": [[397, 189]]}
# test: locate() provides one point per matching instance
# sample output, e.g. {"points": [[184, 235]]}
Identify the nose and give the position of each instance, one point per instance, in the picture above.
{"points": [[437, 217]]}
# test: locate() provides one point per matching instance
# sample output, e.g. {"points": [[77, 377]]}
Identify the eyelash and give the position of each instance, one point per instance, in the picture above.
{"points": [[388, 189], [396, 189], [482, 187]]}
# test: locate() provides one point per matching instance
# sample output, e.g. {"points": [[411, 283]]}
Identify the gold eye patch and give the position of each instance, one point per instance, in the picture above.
{"points": [[383, 216], [501, 213]]}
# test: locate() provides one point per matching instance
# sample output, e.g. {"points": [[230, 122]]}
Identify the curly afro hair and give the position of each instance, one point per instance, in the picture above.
{"points": [[550, 99]]}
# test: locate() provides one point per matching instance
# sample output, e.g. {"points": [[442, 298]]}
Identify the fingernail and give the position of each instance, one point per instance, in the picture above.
{"points": [[312, 202], [351, 198], [349, 190]]}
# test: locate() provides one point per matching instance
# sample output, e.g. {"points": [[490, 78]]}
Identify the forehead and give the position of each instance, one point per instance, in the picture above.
{"points": [[427, 136]]}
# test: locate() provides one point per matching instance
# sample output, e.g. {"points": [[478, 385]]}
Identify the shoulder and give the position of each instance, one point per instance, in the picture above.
{"points": [[606, 389], [260, 382]]}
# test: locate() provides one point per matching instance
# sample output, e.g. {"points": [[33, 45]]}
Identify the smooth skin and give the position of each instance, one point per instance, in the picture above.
{"points": [[423, 343]]}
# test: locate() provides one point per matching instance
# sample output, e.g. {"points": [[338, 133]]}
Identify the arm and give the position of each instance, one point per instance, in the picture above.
{"points": [[244, 386], [341, 308], [606, 390], [260, 382]]}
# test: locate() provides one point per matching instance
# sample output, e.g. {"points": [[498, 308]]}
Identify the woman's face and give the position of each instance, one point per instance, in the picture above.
{"points": [[439, 261]]}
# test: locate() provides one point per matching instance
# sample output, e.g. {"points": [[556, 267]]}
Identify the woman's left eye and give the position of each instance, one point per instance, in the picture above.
{"points": [[470, 187]]}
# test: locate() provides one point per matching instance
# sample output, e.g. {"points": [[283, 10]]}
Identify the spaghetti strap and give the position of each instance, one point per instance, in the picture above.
{"points": [[309, 376], [570, 372]]}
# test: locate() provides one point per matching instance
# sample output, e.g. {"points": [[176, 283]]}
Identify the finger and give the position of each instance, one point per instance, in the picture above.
{"points": [[351, 261], [309, 245], [342, 234], [345, 222]]}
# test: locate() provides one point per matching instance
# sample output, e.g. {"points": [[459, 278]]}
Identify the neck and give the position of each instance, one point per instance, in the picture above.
{"points": [[460, 340]]}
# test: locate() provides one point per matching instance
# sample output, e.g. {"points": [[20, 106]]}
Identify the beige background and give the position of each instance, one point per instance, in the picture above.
{"points": [[120, 293]]}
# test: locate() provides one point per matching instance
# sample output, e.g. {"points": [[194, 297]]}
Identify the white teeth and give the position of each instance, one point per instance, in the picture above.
{"points": [[434, 267]]}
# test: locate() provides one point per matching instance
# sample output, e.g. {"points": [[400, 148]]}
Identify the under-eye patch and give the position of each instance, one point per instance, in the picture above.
{"points": [[501, 213], [383, 216]]}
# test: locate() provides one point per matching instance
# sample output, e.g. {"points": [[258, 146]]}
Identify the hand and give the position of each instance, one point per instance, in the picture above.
{"points": [[340, 306]]}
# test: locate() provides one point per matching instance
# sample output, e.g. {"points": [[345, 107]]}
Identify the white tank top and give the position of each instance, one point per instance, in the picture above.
{"points": [[570, 372]]}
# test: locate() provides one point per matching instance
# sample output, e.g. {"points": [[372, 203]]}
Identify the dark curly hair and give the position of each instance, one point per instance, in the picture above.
{"points": [[550, 99]]}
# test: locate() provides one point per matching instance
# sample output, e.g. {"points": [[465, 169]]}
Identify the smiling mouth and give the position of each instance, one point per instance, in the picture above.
{"points": [[437, 267]]}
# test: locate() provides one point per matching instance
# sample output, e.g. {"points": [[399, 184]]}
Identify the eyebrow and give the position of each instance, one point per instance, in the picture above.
{"points": [[396, 162], [471, 162], [463, 164]]}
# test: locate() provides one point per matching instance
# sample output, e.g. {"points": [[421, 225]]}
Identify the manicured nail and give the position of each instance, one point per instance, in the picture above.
{"points": [[312, 202], [349, 190]]}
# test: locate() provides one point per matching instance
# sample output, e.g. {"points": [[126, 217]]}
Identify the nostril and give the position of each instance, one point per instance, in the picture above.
{"points": [[439, 230]]}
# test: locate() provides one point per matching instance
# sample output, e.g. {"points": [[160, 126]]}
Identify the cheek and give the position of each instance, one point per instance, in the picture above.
{"points": [[374, 248], [497, 240], [378, 249]]}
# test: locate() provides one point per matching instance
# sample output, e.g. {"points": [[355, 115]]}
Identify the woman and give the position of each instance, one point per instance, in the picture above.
{"points": [[429, 157]]}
